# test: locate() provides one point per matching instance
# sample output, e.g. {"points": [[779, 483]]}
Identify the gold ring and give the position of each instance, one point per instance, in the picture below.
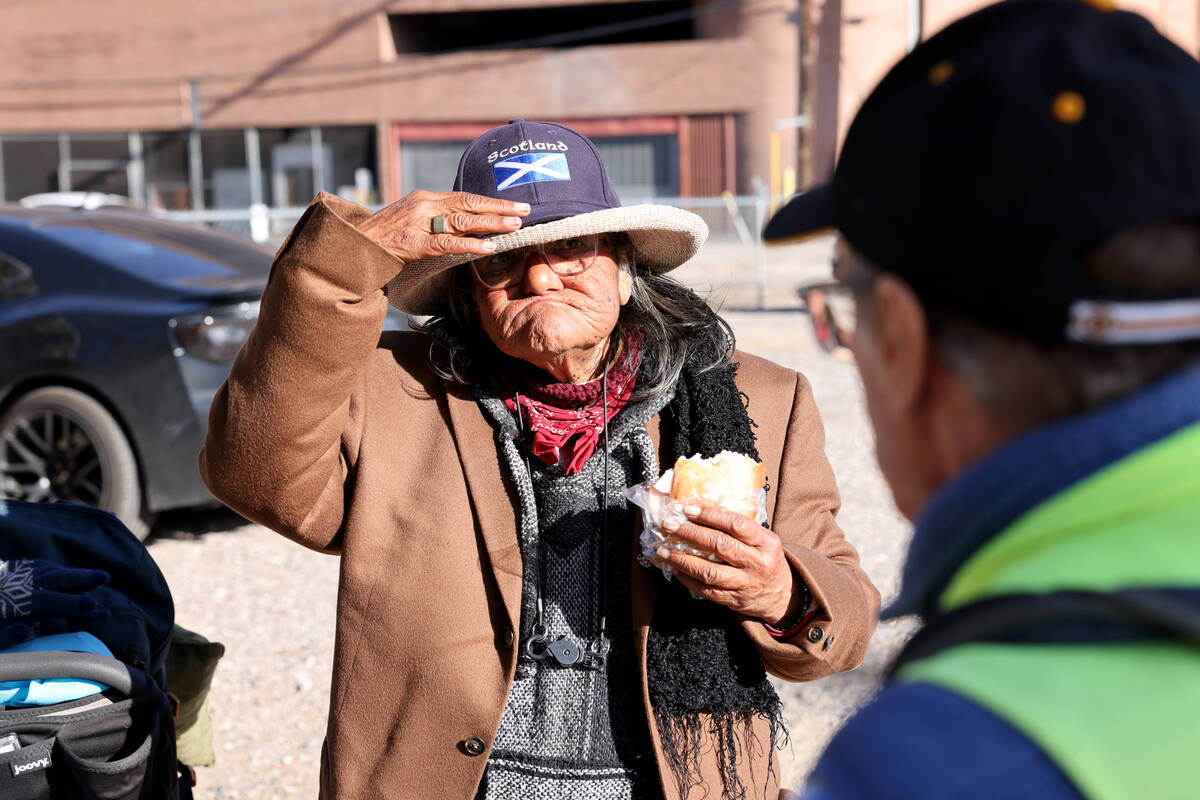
{"points": [[438, 223]]}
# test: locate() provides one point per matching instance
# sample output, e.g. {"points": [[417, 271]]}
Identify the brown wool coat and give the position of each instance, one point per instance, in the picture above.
{"points": [[349, 444]]}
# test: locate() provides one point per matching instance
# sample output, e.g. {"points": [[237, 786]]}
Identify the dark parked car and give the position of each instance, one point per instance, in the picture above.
{"points": [[116, 329]]}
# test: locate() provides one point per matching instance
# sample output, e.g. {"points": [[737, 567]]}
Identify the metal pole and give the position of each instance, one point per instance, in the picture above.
{"points": [[197, 110], [801, 29], [760, 254], [254, 166], [135, 170], [260, 218], [64, 163], [775, 163], [195, 155], [318, 159], [195, 170]]}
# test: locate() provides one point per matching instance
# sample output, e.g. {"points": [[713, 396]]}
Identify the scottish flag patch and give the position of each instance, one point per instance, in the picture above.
{"points": [[530, 168]]}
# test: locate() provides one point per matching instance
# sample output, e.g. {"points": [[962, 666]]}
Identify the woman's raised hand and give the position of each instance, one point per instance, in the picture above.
{"points": [[406, 227]]}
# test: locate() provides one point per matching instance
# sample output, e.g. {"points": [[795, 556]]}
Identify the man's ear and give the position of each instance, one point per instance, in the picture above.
{"points": [[904, 348]]}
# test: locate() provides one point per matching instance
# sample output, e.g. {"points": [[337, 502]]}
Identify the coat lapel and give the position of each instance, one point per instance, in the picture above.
{"points": [[495, 499], [644, 589], [644, 586]]}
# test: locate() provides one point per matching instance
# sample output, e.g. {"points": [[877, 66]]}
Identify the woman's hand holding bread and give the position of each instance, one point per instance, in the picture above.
{"points": [[755, 579], [722, 499]]}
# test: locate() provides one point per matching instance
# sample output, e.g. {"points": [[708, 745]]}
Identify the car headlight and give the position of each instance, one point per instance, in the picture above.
{"points": [[215, 334]]}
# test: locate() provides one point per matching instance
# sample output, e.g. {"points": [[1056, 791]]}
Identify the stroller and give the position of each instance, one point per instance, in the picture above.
{"points": [[117, 743]]}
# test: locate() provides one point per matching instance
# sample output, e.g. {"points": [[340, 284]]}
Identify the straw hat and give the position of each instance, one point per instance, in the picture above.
{"points": [[559, 173]]}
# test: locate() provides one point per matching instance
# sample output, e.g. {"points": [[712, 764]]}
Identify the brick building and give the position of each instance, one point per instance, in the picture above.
{"points": [[225, 104]]}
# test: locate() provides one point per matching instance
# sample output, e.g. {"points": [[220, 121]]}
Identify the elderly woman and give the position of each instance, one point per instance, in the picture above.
{"points": [[497, 636]]}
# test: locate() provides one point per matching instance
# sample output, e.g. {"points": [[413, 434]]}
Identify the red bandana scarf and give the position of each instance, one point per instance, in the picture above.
{"points": [[567, 419]]}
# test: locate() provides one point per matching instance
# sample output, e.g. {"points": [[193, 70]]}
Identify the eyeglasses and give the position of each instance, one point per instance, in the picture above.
{"points": [[833, 312], [566, 257]]}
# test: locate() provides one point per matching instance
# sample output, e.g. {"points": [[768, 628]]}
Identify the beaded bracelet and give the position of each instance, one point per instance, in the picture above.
{"points": [[785, 630]]}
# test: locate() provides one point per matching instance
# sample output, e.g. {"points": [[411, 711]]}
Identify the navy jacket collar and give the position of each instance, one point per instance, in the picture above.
{"points": [[989, 496]]}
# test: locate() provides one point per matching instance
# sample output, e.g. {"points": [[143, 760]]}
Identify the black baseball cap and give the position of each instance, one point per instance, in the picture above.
{"points": [[996, 156]]}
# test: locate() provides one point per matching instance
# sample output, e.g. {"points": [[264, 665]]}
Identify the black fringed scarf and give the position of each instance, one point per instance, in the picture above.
{"points": [[702, 669]]}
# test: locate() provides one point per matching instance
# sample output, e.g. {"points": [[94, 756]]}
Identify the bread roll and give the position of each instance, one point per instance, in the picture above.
{"points": [[730, 480]]}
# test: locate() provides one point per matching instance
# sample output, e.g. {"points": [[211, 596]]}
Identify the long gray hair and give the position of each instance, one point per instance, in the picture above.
{"points": [[672, 321]]}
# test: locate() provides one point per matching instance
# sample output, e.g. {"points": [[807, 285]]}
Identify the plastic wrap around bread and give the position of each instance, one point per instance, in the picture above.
{"points": [[730, 480]]}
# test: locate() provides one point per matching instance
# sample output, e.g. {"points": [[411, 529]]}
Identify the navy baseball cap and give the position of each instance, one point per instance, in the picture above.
{"points": [[994, 158], [550, 166]]}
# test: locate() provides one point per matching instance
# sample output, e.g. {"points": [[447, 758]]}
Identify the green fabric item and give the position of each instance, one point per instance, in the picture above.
{"points": [[191, 663], [1121, 719], [1133, 523]]}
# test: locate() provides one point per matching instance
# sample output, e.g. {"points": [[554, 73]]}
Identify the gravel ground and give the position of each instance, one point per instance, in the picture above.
{"points": [[272, 603]]}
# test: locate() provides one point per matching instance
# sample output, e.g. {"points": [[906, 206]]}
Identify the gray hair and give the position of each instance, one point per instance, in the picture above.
{"points": [[672, 320], [1022, 384]]}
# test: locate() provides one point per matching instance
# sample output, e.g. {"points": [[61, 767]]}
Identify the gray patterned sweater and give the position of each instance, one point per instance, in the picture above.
{"points": [[574, 731]]}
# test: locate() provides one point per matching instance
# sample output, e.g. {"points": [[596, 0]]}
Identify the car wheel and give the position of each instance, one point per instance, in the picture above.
{"points": [[58, 443]]}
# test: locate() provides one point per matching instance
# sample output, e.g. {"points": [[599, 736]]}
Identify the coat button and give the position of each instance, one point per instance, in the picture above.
{"points": [[509, 637], [815, 633], [828, 643], [474, 746]]}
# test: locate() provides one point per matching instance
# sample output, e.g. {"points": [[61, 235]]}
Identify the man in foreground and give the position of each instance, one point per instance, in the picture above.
{"points": [[1019, 210]]}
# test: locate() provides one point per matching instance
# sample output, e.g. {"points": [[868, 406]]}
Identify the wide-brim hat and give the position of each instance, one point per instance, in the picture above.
{"points": [[561, 175]]}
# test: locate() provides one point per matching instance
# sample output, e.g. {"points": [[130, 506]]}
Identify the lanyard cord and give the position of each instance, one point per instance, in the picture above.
{"points": [[564, 650], [601, 640]]}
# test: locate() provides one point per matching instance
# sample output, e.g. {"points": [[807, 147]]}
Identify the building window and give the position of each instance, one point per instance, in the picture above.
{"points": [[225, 179], [286, 155], [429, 165], [352, 170], [103, 147], [641, 167], [166, 158], [97, 163], [198, 170], [65, 162], [303, 161], [30, 165], [544, 26]]}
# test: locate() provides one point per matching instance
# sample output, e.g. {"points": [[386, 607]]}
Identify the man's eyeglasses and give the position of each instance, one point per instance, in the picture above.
{"points": [[566, 257], [833, 312]]}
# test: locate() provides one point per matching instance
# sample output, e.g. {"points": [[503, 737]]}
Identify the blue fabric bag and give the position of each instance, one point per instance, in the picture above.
{"points": [[120, 742]]}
